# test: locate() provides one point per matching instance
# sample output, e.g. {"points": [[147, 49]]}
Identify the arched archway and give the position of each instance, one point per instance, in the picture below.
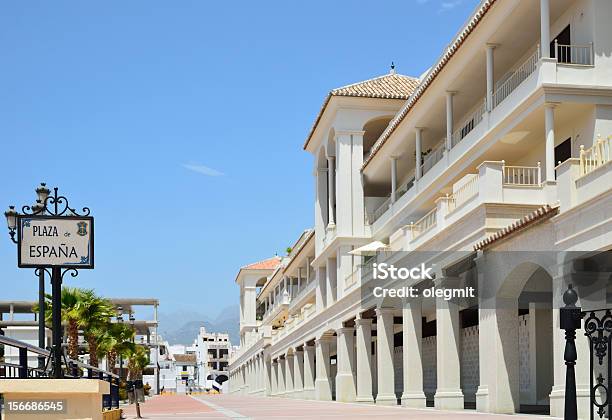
{"points": [[524, 318], [372, 131]]}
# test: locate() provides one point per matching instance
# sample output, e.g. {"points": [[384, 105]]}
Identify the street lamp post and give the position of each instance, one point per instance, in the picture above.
{"points": [[41, 221]]}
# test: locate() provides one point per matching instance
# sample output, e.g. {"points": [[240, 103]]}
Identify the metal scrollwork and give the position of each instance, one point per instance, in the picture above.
{"points": [[73, 272], [54, 205], [598, 329], [39, 270]]}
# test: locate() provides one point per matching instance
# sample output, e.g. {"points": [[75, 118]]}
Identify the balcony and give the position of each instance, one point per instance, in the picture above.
{"points": [[282, 304], [495, 183], [303, 295]]}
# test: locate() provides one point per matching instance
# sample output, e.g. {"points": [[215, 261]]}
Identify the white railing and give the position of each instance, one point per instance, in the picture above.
{"points": [[469, 123], [463, 194], [516, 78], [522, 175], [595, 156], [380, 210], [424, 223], [433, 157], [575, 54]]}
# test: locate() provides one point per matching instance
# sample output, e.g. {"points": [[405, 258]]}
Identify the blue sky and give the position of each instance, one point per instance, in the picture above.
{"points": [[181, 124]]}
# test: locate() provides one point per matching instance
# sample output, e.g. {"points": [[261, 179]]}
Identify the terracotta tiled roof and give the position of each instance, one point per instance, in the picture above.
{"points": [[269, 264], [388, 86], [476, 18], [185, 358], [537, 216]]}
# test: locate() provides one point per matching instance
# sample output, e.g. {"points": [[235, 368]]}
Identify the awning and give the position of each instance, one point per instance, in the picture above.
{"points": [[370, 249]]}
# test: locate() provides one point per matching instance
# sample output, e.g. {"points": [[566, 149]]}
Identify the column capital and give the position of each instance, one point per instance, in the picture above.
{"points": [[289, 356], [550, 104], [420, 128], [363, 322], [491, 45], [384, 311], [451, 92], [345, 330], [323, 340]]}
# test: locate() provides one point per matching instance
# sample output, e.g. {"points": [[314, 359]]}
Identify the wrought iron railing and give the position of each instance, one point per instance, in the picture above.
{"points": [[517, 77], [522, 175], [72, 369], [595, 156]]}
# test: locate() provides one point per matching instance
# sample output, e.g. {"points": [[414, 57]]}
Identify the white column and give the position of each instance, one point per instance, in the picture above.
{"points": [[393, 177], [309, 373], [545, 28], [298, 373], [419, 147], [289, 375], [449, 119], [448, 361], [490, 79], [331, 272], [274, 377], [384, 357], [412, 343], [549, 126], [322, 381], [281, 376], [267, 376], [364, 360], [331, 188], [345, 380]]}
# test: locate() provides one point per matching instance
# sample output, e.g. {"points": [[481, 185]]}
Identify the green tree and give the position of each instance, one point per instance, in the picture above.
{"points": [[114, 339], [138, 359], [93, 316], [70, 299]]}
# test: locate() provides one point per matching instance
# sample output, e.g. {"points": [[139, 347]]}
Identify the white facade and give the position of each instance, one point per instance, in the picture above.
{"points": [[513, 179], [212, 355]]}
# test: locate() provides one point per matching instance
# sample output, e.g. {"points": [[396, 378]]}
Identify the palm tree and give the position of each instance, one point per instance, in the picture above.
{"points": [[138, 359], [114, 340], [70, 299], [93, 316]]}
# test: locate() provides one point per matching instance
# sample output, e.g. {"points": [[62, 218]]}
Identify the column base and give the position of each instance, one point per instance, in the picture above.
{"points": [[449, 400], [386, 399], [482, 399], [297, 393], [323, 390], [414, 400], [557, 401], [308, 393], [365, 399], [345, 387]]}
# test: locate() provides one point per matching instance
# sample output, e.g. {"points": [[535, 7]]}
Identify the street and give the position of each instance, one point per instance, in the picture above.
{"points": [[244, 407]]}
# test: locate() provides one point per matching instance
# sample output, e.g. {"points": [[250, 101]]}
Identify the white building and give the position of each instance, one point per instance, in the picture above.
{"points": [[491, 162], [212, 355]]}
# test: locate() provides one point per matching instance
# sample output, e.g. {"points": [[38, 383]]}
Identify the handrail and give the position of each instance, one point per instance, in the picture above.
{"points": [[424, 223], [595, 156], [433, 157], [469, 124], [463, 194], [582, 54], [517, 77], [21, 345], [522, 175]]}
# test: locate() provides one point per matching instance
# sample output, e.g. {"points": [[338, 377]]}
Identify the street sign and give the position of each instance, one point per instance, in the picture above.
{"points": [[55, 241]]}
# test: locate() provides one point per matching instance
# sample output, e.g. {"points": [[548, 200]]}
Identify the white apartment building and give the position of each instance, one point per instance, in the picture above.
{"points": [[495, 166], [212, 355]]}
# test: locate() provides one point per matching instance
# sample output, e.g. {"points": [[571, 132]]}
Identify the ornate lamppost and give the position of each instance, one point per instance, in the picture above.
{"points": [[54, 239]]}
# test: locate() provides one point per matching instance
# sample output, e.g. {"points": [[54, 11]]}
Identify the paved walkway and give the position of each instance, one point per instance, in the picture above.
{"points": [[259, 408]]}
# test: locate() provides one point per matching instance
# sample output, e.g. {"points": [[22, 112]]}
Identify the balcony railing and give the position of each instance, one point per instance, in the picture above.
{"points": [[517, 77], [595, 156], [575, 54], [433, 157], [522, 175], [424, 223], [463, 194], [469, 123]]}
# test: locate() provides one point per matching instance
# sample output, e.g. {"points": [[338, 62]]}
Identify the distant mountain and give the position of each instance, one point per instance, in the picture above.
{"points": [[182, 327]]}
